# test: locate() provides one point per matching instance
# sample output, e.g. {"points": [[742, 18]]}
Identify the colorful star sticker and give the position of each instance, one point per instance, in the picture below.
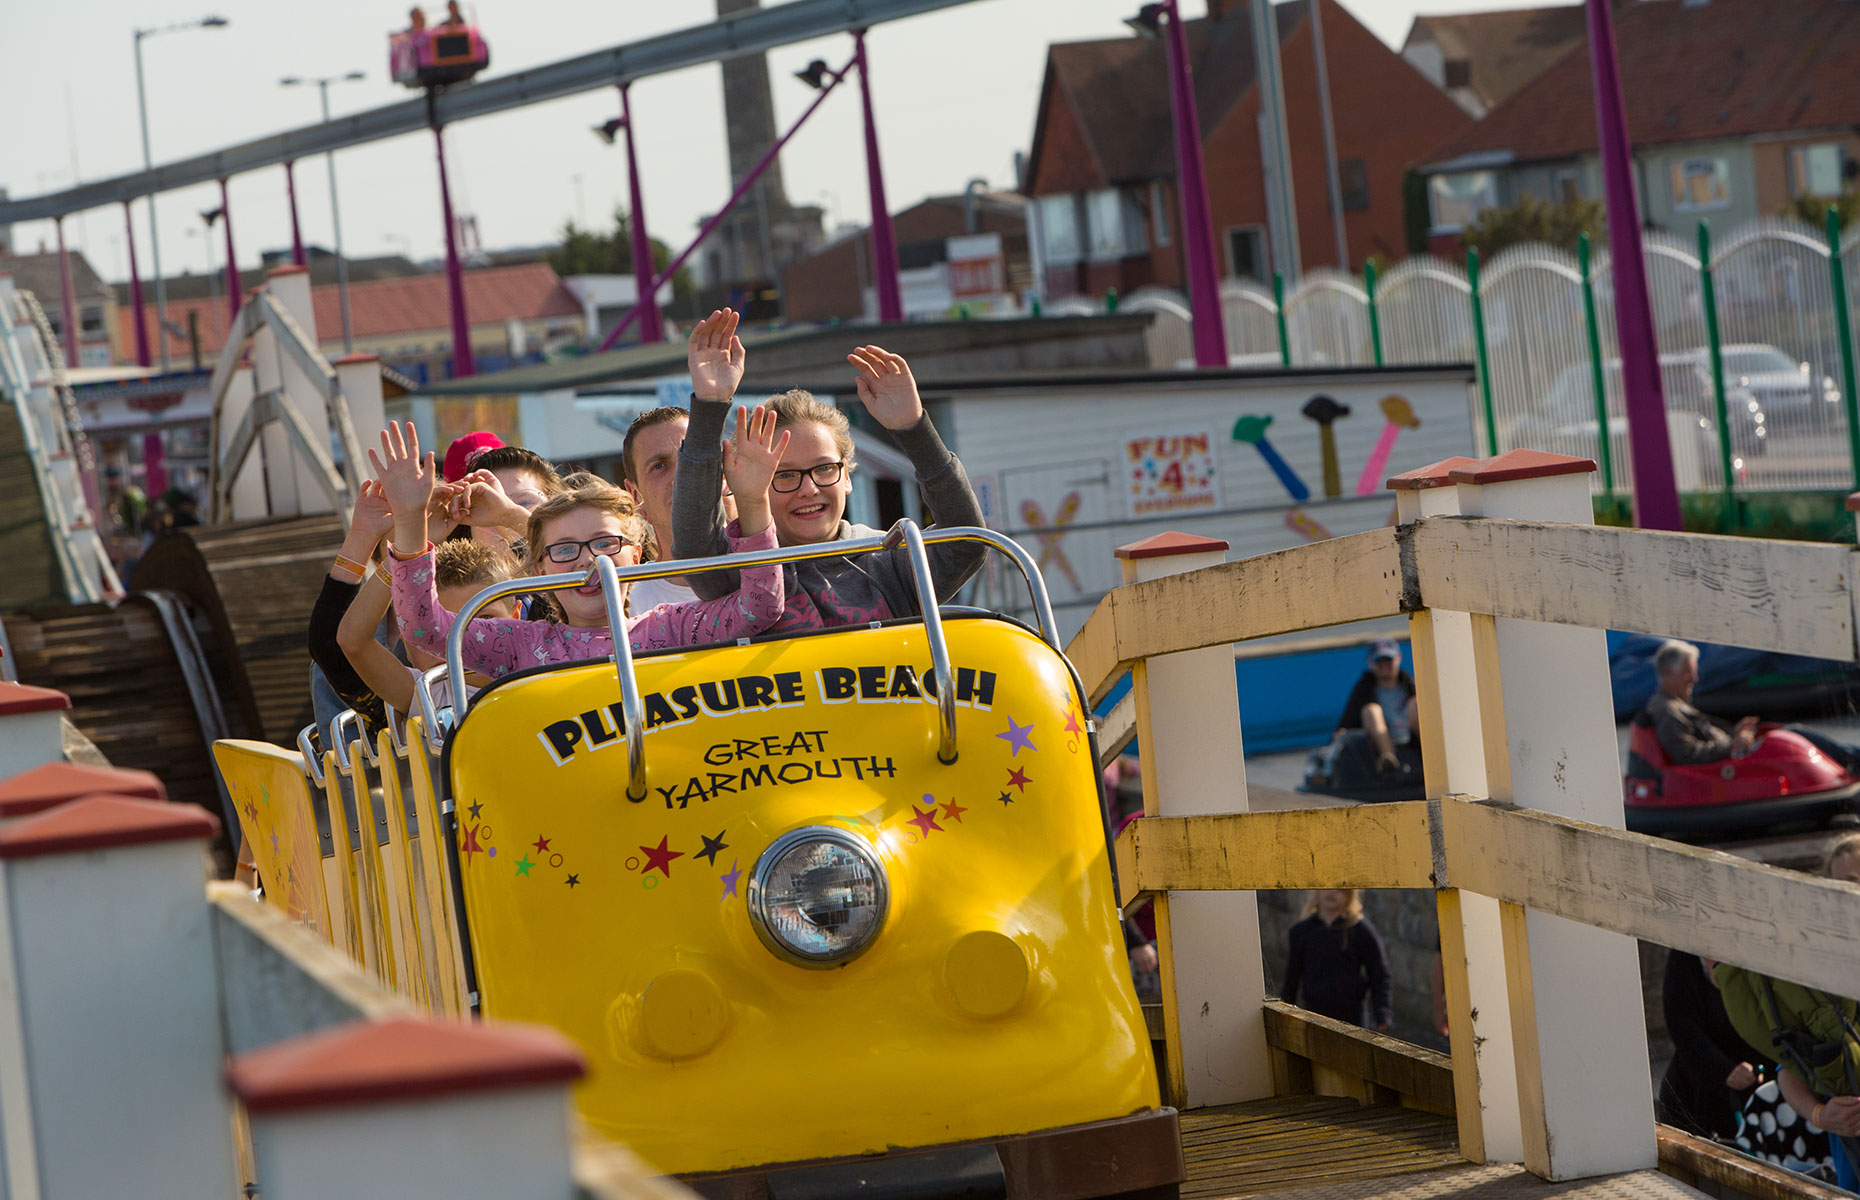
{"points": [[468, 845], [660, 857], [541, 843], [523, 865], [1072, 723], [1005, 798], [953, 812], [1018, 736], [1017, 778], [274, 843], [264, 793], [712, 845], [925, 821], [474, 809], [251, 810], [729, 880], [573, 881]]}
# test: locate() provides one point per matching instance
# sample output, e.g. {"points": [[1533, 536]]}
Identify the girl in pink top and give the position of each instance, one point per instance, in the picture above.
{"points": [[564, 533]]}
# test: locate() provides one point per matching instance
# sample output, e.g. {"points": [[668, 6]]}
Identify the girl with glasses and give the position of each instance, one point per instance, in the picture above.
{"points": [[565, 532], [812, 483]]}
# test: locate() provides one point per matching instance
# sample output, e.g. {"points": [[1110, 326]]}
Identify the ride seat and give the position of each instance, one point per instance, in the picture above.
{"points": [[1646, 759]]}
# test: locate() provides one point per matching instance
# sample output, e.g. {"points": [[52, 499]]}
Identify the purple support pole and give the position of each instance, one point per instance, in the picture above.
{"points": [[69, 308], [742, 189], [135, 286], [462, 364], [884, 247], [645, 281], [1656, 493], [233, 297], [290, 194], [1204, 293]]}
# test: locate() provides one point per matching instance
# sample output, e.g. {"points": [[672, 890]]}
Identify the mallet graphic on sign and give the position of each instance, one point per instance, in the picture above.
{"points": [[1324, 410], [1400, 416], [1252, 430]]}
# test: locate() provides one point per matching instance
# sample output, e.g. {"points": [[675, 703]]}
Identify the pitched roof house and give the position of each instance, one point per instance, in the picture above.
{"points": [[1102, 166], [1482, 59], [1733, 108]]}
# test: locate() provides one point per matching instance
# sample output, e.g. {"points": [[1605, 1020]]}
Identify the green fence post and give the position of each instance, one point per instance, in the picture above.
{"points": [[1375, 319], [1485, 363], [1837, 272], [1278, 309], [1716, 346], [1596, 378]]}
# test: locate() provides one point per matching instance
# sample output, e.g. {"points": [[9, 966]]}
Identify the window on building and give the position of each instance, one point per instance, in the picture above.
{"points": [[1457, 73], [1700, 184], [1159, 213], [1246, 252], [1566, 186], [1353, 184], [1115, 223], [1817, 170], [1457, 200], [1059, 229], [91, 320]]}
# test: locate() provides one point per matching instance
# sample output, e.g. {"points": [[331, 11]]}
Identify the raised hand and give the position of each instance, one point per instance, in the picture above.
{"points": [[480, 501], [373, 518], [715, 356], [886, 387], [408, 479], [749, 463]]}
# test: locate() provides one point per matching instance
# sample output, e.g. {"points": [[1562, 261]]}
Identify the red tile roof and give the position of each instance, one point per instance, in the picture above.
{"points": [[1690, 72], [390, 307]]}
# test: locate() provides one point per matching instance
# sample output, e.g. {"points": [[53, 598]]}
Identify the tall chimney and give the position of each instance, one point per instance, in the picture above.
{"points": [[749, 109]]}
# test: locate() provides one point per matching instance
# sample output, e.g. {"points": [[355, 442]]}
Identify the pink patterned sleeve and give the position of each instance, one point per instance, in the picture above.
{"points": [[494, 646], [756, 605]]}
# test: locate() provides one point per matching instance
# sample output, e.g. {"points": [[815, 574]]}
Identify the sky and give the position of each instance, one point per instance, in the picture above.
{"points": [[954, 91]]}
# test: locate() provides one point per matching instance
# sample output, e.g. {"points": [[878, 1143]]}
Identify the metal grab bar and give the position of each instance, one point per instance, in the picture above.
{"points": [[610, 577], [927, 604], [429, 712], [345, 763], [631, 706], [313, 758], [396, 730]]}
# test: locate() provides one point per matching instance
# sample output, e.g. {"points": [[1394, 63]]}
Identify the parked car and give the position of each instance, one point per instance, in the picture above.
{"points": [[1564, 420], [1786, 390]]}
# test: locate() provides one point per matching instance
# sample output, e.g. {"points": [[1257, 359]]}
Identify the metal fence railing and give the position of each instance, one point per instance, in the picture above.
{"points": [[1755, 329]]}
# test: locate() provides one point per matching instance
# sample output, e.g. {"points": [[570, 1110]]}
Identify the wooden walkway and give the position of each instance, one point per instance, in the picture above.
{"points": [[1324, 1148], [1304, 1141]]}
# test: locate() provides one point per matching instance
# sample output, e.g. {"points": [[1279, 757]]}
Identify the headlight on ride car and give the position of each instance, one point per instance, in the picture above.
{"points": [[818, 896]]}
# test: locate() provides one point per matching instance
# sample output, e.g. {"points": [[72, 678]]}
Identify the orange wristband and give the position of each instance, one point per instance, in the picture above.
{"points": [[408, 557], [345, 563]]}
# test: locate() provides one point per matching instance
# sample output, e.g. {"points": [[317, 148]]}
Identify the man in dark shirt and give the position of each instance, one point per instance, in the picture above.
{"points": [[1686, 734]]}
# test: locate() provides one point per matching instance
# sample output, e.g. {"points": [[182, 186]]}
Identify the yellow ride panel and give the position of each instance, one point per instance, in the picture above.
{"points": [[996, 998], [272, 796]]}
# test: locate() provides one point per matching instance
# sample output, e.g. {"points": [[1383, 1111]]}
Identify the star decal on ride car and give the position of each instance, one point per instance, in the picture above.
{"points": [[924, 820], [1017, 778], [1020, 737], [661, 857], [711, 846]]}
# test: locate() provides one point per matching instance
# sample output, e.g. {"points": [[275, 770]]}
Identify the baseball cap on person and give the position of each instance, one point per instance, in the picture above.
{"points": [[464, 451], [1383, 648]]}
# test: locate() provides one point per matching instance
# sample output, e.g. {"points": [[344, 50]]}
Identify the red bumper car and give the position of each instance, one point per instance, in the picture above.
{"points": [[1784, 778]]}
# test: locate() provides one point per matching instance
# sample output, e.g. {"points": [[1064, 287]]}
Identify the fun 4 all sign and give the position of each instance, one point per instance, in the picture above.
{"points": [[1171, 471]]}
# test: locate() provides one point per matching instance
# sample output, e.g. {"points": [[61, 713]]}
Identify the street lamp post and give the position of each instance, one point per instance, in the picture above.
{"points": [[335, 215], [148, 162], [645, 272]]}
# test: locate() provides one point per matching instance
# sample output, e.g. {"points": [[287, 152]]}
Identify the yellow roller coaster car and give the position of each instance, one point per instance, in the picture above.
{"points": [[841, 916]]}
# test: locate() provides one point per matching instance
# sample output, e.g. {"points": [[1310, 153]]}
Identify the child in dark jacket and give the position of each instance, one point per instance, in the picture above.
{"points": [[1337, 961]]}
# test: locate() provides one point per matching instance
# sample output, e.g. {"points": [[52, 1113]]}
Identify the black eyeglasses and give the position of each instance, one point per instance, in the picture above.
{"points": [[824, 475], [607, 545]]}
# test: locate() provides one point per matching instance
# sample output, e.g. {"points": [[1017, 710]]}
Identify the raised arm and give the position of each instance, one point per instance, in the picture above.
{"points": [[367, 526], [716, 359], [889, 392], [749, 462]]}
